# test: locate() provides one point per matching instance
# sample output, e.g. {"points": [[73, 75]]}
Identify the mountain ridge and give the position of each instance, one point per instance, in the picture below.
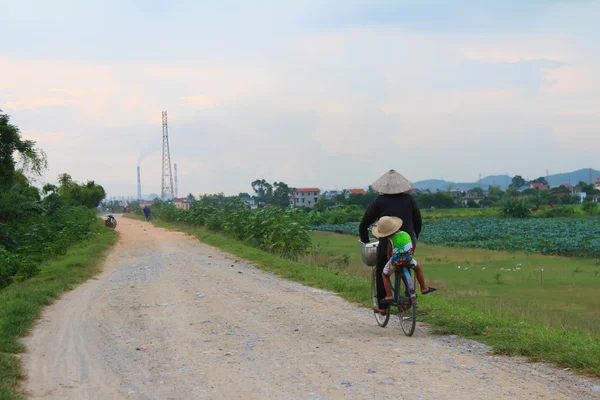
{"points": [[587, 175]]}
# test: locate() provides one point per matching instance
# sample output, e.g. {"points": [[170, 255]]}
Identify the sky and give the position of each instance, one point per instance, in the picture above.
{"points": [[327, 94]]}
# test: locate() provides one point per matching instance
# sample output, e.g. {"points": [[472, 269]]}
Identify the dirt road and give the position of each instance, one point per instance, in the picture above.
{"points": [[208, 326]]}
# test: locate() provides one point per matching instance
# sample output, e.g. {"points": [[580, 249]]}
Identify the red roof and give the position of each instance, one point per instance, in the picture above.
{"points": [[305, 190], [567, 185], [538, 186], [357, 191], [180, 200]]}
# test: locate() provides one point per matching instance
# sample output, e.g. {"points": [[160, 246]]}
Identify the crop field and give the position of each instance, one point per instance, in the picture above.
{"points": [[499, 284], [571, 237]]}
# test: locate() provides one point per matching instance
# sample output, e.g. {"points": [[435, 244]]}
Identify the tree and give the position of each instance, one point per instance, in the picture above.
{"points": [[33, 160], [263, 189], [281, 194], [587, 188], [89, 195], [518, 181], [477, 190], [244, 196], [560, 189], [541, 179], [472, 204]]}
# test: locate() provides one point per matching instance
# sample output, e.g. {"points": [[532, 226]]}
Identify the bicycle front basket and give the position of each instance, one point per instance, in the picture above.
{"points": [[368, 252]]}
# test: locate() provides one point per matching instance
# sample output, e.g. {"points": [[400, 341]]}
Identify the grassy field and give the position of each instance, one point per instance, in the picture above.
{"points": [[501, 284], [513, 314], [22, 302]]}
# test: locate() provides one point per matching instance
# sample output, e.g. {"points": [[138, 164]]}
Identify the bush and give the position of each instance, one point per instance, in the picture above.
{"points": [[590, 207], [516, 208], [557, 212]]}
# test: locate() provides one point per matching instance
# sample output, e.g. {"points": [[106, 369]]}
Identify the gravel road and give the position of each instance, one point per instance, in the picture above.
{"points": [[172, 318]]}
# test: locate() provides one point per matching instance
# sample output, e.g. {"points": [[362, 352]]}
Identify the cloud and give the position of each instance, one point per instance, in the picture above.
{"points": [[36, 102], [200, 100], [319, 94]]}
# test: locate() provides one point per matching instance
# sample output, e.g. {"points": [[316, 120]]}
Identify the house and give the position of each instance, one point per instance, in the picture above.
{"points": [[330, 194], [471, 195], [582, 195], [251, 203], [182, 203], [597, 183], [357, 191], [144, 203], [305, 197], [540, 186]]}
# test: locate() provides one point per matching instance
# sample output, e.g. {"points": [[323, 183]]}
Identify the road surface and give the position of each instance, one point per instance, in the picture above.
{"points": [[172, 318]]}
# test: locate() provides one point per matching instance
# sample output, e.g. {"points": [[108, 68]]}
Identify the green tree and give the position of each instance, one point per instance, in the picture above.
{"points": [[281, 194], [518, 181], [33, 160], [263, 190], [541, 179], [89, 195], [587, 188], [477, 190]]}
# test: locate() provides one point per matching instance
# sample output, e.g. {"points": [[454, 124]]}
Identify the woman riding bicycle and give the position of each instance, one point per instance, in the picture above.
{"points": [[394, 201]]}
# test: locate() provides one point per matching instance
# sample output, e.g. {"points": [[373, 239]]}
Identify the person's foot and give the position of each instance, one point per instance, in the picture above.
{"points": [[428, 290], [380, 311]]}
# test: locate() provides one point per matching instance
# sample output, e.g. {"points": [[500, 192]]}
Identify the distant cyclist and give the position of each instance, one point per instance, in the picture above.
{"points": [[147, 213]]}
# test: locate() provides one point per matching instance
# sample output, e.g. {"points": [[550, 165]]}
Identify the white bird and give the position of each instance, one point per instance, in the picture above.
{"points": [[466, 268], [501, 269], [483, 269], [459, 266]]}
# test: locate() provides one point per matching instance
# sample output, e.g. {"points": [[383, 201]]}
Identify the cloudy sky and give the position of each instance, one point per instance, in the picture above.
{"points": [[322, 93]]}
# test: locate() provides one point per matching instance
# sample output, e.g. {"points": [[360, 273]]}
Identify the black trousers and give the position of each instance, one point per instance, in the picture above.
{"points": [[382, 259]]}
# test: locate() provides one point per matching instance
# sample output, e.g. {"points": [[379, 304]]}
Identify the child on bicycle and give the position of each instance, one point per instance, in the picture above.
{"points": [[400, 250]]}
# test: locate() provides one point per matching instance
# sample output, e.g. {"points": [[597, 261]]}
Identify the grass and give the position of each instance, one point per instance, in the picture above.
{"points": [[501, 284], [556, 323], [22, 302]]}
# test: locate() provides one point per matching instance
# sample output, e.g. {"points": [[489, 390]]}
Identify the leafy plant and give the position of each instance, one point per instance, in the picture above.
{"points": [[516, 208]]}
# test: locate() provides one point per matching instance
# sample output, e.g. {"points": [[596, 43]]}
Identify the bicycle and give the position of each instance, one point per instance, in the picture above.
{"points": [[403, 290], [110, 222]]}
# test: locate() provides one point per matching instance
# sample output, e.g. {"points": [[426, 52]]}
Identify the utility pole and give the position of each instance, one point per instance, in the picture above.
{"points": [[167, 173]]}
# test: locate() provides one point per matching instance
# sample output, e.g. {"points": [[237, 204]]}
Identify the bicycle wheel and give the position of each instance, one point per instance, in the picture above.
{"points": [[408, 317], [382, 320]]}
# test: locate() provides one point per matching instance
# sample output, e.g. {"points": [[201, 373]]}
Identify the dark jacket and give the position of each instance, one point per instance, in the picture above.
{"points": [[401, 205]]}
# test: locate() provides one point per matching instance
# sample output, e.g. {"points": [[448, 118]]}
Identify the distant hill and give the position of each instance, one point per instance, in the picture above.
{"points": [[586, 175]]}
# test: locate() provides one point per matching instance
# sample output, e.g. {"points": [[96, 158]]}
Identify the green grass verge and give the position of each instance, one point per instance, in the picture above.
{"points": [[506, 334], [22, 302]]}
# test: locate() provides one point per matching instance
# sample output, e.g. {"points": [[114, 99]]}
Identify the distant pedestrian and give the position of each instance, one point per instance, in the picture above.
{"points": [[147, 213]]}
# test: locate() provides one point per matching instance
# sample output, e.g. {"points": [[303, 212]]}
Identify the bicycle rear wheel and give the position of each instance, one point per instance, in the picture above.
{"points": [[382, 320], [408, 317]]}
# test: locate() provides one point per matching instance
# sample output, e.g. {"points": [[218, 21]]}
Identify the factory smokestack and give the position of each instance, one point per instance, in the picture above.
{"points": [[139, 184], [176, 184]]}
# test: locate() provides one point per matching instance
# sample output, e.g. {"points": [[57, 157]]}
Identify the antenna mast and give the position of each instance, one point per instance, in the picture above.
{"points": [[167, 174]]}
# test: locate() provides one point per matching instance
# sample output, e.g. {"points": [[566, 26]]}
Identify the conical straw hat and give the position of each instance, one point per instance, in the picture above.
{"points": [[392, 183], [386, 226]]}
